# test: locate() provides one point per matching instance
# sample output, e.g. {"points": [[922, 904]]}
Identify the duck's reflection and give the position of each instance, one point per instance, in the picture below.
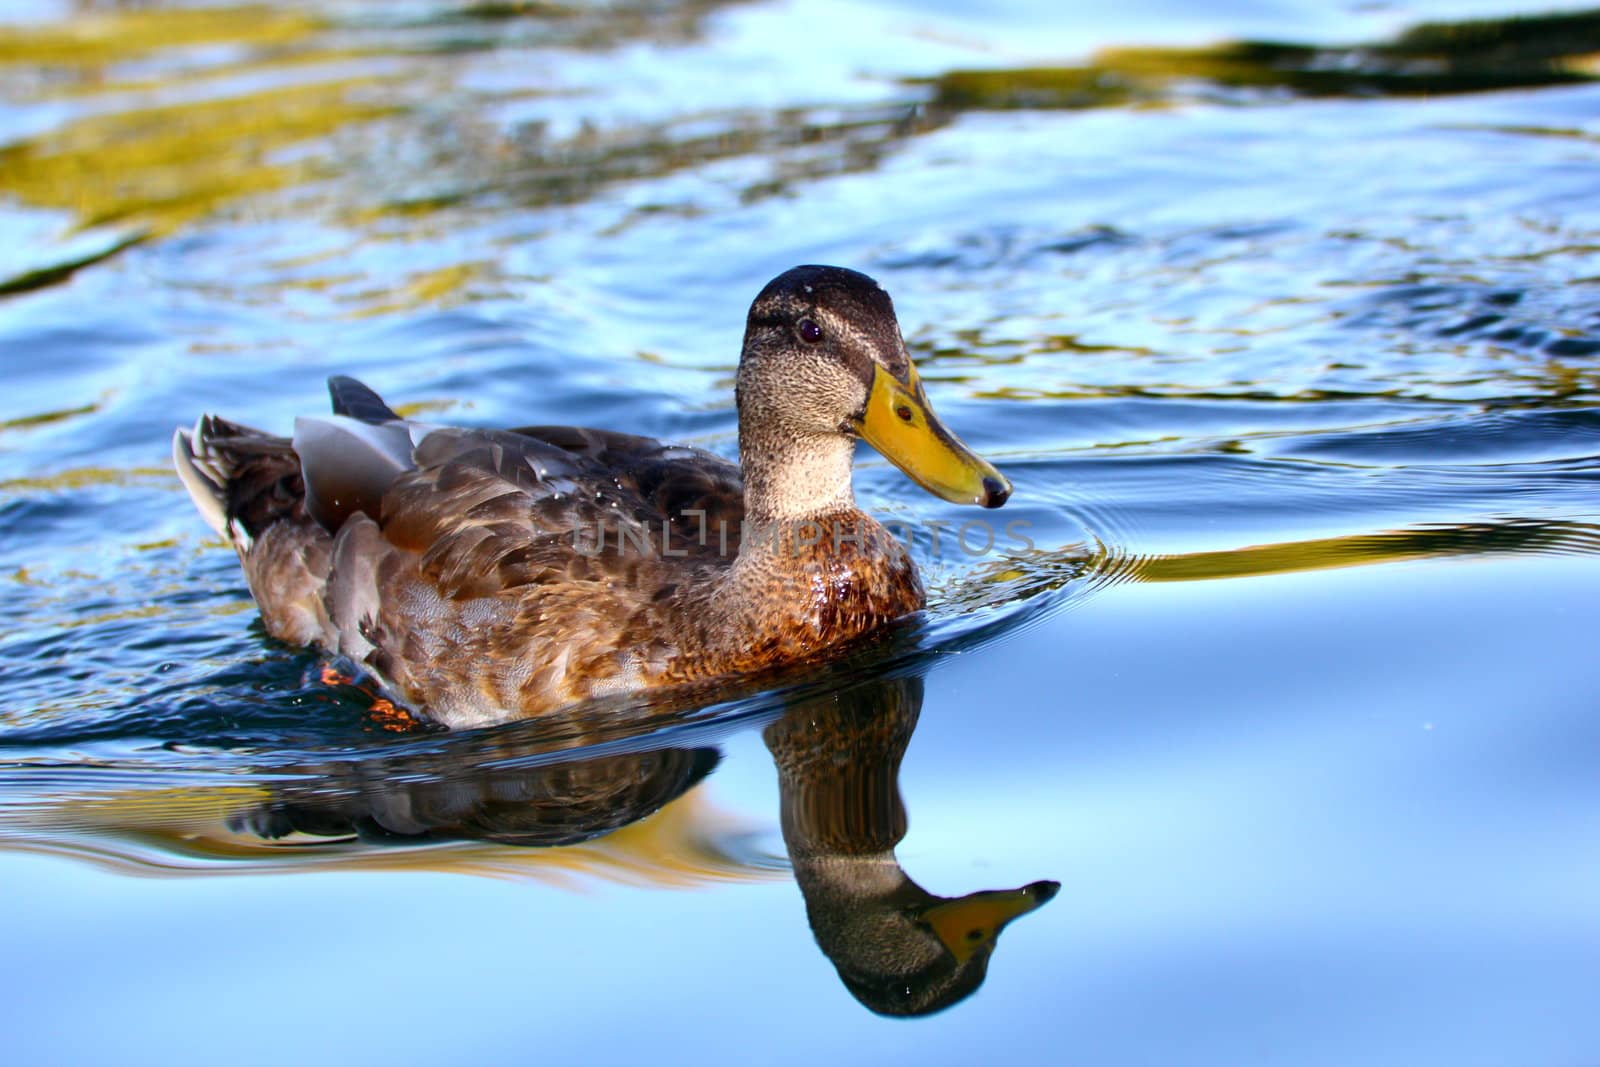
{"points": [[418, 798], [899, 949]]}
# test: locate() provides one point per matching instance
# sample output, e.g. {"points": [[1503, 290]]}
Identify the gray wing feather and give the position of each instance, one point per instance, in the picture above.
{"points": [[348, 465]]}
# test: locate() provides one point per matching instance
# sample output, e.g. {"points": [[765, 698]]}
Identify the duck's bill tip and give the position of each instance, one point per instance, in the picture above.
{"points": [[899, 423], [1043, 891]]}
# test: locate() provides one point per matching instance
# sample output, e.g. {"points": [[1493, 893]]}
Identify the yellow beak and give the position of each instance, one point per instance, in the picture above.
{"points": [[899, 423], [969, 923]]}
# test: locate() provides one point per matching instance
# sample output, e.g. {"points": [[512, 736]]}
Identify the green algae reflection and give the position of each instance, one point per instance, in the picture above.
{"points": [[159, 167], [184, 135], [1430, 58]]}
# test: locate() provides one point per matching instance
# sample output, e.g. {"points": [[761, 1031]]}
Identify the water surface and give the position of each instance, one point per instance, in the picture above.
{"points": [[1292, 355]]}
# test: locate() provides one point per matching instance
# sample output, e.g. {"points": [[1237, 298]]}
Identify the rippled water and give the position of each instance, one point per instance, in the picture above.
{"points": [[1297, 378]]}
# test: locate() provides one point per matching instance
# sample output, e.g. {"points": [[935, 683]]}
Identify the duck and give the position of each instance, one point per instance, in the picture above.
{"points": [[482, 575]]}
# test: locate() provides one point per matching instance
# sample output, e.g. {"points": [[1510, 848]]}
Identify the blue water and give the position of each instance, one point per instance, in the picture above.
{"points": [[1295, 694]]}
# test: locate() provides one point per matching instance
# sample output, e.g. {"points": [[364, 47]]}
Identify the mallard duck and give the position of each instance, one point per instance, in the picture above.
{"points": [[898, 948], [482, 575]]}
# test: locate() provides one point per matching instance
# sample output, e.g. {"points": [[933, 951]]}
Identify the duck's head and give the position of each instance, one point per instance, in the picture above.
{"points": [[823, 358]]}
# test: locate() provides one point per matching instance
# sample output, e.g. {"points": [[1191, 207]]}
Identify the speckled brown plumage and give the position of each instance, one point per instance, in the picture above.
{"points": [[484, 575]]}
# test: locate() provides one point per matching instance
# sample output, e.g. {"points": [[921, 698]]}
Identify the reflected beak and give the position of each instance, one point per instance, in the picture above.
{"points": [[899, 423], [969, 923]]}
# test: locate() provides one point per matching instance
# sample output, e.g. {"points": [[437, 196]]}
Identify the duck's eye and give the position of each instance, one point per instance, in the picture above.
{"points": [[810, 332]]}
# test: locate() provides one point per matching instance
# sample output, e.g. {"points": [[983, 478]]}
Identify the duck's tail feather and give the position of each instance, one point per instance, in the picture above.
{"points": [[358, 401], [240, 479], [206, 483]]}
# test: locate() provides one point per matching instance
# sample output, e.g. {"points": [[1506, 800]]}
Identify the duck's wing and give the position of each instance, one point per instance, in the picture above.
{"points": [[677, 482], [354, 457], [482, 511]]}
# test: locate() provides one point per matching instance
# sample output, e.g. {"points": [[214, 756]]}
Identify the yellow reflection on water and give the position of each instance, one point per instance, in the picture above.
{"points": [[89, 477], [159, 167], [444, 287], [181, 832], [1470, 56], [1393, 546], [99, 39]]}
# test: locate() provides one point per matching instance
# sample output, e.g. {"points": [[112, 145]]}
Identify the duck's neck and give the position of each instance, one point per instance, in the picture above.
{"points": [[812, 569], [790, 478]]}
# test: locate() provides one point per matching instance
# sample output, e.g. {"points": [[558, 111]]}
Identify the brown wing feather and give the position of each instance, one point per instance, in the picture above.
{"points": [[675, 482], [487, 512]]}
